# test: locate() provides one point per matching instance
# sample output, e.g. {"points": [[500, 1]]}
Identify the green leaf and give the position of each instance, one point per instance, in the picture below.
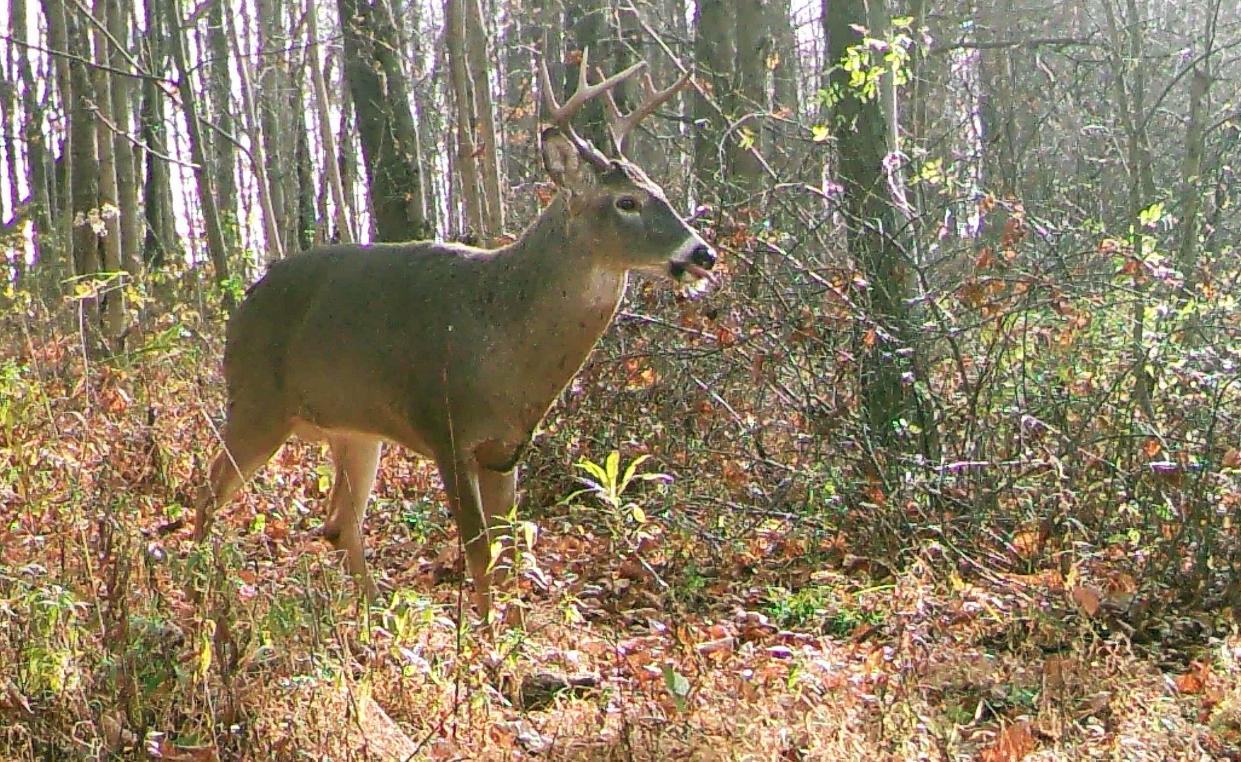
{"points": [[594, 469], [1151, 214], [677, 685], [819, 133], [631, 469], [613, 468]]}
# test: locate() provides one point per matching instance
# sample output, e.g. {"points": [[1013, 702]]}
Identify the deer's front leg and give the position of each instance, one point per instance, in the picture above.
{"points": [[460, 477], [498, 490]]}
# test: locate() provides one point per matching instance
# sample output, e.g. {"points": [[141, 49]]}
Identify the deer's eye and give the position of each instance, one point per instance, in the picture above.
{"points": [[627, 204]]}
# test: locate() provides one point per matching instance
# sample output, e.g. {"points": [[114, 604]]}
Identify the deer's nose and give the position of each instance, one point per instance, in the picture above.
{"points": [[703, 256]]}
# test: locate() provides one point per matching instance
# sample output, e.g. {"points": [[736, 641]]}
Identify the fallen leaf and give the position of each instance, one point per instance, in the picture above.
{"points": [[1087, 599], [1012, 744]]}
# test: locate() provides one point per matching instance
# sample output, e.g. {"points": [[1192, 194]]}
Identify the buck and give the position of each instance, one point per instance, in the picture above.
{"points": [[454, 352]]}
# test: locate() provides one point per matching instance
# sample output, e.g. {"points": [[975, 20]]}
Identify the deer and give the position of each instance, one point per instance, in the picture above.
{"points": [[453, 352]]}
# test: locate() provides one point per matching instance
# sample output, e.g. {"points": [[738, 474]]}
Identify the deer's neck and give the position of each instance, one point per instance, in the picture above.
{"points": [[559, 294]]}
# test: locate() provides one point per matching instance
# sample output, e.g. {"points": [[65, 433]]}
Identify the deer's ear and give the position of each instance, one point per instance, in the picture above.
{"points": [[563, 162]]}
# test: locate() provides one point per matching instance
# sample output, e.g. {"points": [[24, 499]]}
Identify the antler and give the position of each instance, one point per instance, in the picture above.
{"points": [[562, 116], [620, 125]]}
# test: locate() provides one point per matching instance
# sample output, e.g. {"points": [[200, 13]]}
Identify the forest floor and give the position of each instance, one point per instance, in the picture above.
{"points": [[119, 636]]}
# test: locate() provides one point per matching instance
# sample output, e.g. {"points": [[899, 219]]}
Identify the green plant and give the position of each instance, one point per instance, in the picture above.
{"points": [[608, 484], [836, 614]]}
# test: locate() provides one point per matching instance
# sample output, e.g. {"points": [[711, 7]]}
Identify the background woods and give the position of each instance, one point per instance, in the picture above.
{"points": [[949, 464]]}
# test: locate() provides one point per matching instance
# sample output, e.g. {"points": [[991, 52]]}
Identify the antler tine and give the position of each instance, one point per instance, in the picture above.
{"points": [[585, 91], [562, 116], [622, 124]]}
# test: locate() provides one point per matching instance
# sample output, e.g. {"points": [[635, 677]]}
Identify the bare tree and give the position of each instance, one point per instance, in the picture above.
{"points": [[467, 167], [216, 248], [485, 118], [219, 100], [340, 209], [860, 131], [714, 46], [108, 227], [385, 123], [158, 241]]}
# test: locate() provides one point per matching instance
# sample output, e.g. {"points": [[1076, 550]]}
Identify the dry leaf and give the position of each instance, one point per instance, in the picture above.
{"points": [[1195, 680], [1012, 744], [1087, 599]]}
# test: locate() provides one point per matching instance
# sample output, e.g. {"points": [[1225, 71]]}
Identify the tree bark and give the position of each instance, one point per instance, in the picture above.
{"points": [[222, 150], [126, 167], [454, 37], [385, 123], [160, 237], [784, 74], [109, 211], [58, 37], [753, 47], [340, 210], [216, 248], [714, 48], [860, 131], [484, 111], [38, 158], [270, 102], [260, 162]]}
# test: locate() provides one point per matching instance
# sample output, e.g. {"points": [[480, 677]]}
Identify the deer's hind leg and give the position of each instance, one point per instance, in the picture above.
{"points": [[356, 458], [250, 438]]}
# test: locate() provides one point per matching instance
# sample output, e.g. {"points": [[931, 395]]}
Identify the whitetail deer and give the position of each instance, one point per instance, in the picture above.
{"points": [[454, 352]]}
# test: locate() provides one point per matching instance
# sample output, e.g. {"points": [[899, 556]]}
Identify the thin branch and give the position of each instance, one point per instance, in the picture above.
{"points": [[1033, 42], [165, 82]]}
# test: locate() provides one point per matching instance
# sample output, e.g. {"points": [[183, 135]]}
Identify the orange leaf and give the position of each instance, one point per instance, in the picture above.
{"points": [[1029, 541], [1086, 598], [1195, 680], [1012, 744], [1151, 447]]}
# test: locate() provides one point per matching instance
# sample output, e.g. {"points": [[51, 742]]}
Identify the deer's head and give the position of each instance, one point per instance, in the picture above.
{"points": [[611, 202]]}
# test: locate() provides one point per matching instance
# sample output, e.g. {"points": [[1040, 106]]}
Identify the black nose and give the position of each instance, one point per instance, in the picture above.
{"points": [[703, 257]]}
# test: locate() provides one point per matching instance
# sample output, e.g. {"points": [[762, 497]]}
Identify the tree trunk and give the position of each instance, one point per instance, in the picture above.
{"points": [[1129, 81], [160, 237], [216, 247], [859, 128], [385, 124], [454, 35], [223, 152], [1191, 178], [753, 45], [714, 53], [480, 79], [38, 158], [109, 243], [785, 70], [126, 167], [340, 210], [270, 101], [58, 37], [586, 22], [305, 189], [260, 162]]}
